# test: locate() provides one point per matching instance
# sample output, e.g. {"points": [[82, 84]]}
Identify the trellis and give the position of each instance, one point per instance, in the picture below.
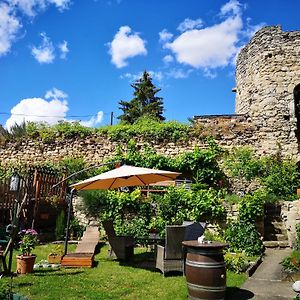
{"points": [[38, 183]]}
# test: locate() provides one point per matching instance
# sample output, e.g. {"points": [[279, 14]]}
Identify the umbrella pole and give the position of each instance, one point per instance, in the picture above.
{"points": [[68, 220]]}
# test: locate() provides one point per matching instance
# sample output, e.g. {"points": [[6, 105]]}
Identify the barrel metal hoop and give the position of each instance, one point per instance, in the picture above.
{"points": [[197, 288], [204, 252], [208, 265]]}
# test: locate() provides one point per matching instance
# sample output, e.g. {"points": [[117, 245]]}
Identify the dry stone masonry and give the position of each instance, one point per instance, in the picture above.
{"points": [[267, 81]]}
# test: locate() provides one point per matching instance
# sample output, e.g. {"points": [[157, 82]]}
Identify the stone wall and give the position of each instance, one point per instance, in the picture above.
{"points": [[267, 72], [93, 149]]}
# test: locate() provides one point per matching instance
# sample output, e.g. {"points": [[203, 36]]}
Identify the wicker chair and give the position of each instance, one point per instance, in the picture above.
{"points": [[169, 258], [120, 246]]}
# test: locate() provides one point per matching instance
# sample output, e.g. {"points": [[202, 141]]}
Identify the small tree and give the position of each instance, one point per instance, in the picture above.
{"points": [[144, 103]]}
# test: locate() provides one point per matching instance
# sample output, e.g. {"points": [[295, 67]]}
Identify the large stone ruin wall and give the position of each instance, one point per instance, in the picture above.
{"points": [[267, 72]]}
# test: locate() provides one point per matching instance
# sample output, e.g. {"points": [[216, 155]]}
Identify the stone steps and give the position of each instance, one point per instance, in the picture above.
{"points": [[275, 237], [275, 232], [276, 244]]}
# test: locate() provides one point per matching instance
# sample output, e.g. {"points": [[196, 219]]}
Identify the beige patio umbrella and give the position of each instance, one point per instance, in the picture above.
{"points": [[125, 176]]}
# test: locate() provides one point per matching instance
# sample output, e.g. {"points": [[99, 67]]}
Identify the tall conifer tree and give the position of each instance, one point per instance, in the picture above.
{"points": [[144, 103]]}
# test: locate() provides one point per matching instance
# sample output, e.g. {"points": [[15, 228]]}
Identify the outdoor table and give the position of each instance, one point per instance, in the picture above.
{"points": [[205, 269]]}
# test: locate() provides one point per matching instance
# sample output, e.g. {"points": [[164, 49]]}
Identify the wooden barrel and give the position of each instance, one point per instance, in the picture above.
{"points": [[205, 270]]}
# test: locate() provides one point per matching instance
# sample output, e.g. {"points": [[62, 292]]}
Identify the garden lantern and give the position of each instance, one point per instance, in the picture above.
{"points": [[14, 183]]}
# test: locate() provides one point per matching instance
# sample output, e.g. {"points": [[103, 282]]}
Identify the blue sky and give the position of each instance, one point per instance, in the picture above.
{"points": [[75, 60]]}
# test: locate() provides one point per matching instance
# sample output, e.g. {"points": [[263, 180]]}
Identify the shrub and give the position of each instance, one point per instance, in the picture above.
{"points": [[241, 163], [60, 225], [280, 177], [243, 236], [147, 129], [94, 202], [236, 262], [251, 206], [76, 229], [292, 262]]}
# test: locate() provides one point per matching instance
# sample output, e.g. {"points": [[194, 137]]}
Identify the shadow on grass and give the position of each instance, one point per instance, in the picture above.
{"points": [[146, 261], [24, 284], [57, 272], [234, 293]]}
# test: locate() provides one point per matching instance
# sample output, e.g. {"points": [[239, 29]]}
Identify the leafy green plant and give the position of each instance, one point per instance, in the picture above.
{"points": [[76, 229], [291, 263], [281, 177], [58, 249], [243, 237], [28, 241], [236, 262], [242, 163], [60, 225], [251, 206], [148, 130]]}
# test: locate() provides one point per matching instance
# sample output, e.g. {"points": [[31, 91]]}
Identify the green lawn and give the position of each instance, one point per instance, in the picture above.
{"points": [[108, 280]]}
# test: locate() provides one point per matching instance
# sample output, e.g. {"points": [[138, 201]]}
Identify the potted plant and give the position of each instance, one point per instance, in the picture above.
{"points": [[56, 255], [28, 241]]}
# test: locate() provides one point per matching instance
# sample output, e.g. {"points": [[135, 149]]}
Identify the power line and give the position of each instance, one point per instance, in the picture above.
{"points": [[53, 116]]}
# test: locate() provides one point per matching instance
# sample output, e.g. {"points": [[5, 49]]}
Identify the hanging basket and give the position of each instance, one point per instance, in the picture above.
{"points": [[25, 263]]}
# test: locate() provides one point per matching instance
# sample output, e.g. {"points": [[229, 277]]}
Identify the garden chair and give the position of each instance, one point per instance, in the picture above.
{"points": [[121, 246], [169, 257]]}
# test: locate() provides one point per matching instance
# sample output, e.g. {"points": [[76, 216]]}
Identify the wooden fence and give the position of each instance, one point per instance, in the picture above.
{"points": [[38, 184]]}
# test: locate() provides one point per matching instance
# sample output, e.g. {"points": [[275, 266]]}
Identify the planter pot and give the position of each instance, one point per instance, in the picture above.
{"points": [[54, 259], [25, 263]]}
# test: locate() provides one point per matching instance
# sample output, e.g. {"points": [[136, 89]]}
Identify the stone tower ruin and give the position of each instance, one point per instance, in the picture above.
{"points": [[268, 89]]}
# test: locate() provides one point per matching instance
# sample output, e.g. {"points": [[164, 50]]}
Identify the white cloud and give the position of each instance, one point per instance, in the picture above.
{"points": [[168, 59], [231, 7], [56, 94], [156, 75], [32, 7], [38, 110], [61, 4], [63, 47], [189, 24], [165, 35], [209, 73], [210, 47], [126, 45], [44, 53], [50, 109], [179, 73], [96, 120], [9, 27], [133, 77], [213, 46], [251, 29], [11, 22]]}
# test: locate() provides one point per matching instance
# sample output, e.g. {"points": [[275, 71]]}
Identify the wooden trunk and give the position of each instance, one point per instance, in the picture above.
{"points": [[78, 260]]}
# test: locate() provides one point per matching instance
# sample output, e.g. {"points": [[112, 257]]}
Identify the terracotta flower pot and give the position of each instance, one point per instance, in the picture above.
{"points": [[25, 263]]}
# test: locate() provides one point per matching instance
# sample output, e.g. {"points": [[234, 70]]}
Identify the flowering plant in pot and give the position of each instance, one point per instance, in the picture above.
{"points": [[56, 254], [28, 241]]}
